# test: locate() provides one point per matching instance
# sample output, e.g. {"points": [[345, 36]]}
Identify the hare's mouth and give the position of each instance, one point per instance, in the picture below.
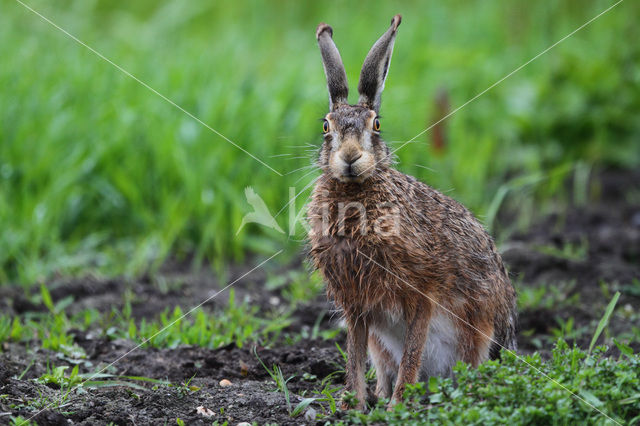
{"points": [[353, 174], [357, 170]]}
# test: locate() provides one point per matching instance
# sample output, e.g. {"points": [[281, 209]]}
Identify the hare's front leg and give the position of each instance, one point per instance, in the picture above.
{"points": [[386, 367], [357, 332], [415, 339]]}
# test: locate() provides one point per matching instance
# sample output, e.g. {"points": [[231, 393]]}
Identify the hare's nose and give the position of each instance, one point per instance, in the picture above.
{"points": [[352, 158]]}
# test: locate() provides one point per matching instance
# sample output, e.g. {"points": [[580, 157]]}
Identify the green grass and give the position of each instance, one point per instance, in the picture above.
{"points": [[574, 386], [234, 324], [547, 296], [98, 173], [237, 323], [510, 390], [577, 252], [281, 383], [515, 392]]}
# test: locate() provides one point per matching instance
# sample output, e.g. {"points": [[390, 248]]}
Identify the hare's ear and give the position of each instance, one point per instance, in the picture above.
{"points": [[376, 66], [333, 68]]}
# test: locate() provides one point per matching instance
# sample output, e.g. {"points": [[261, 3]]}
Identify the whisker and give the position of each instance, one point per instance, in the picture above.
{"points": [[299, 169], [296, 196], [306, 174], [425, 167], [308, 145]]}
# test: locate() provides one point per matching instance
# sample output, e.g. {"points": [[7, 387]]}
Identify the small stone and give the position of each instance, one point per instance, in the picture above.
{"points": [[310, 414], [204, 411], [224, 383]]}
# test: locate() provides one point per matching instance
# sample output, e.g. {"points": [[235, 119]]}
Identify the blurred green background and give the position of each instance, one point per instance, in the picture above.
{"points": [[99, 174]]}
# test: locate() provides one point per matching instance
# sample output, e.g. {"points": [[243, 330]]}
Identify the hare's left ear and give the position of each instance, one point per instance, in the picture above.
{"points": [[376, 66]]}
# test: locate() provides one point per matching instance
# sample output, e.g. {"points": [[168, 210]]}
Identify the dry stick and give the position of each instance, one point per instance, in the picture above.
{"points": [[432, 300]]}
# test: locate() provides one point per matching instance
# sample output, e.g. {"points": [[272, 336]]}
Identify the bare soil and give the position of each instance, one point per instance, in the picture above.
{"points": [[604, 257]]}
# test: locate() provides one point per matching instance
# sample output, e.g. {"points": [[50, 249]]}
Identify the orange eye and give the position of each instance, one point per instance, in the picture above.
{"points": [[376, 125], [325, 126]]}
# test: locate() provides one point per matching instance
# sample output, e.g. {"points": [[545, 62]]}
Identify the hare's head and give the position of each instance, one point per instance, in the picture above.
{"points": [[353, 149]]}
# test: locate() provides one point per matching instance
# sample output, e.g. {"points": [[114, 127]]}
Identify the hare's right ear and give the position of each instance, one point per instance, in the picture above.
{"points": [[376, 66], [333, 68]]}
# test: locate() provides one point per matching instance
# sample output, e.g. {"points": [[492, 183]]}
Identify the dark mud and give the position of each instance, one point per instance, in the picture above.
{"points": [[578, 259], [251, 397], [582, 256]]}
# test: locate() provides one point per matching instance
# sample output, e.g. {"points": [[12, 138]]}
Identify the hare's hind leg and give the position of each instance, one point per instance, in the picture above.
{"points": [[386, 367], [480, 340]]}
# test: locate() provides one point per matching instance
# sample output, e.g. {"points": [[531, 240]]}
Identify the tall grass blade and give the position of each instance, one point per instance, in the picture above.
{"points": [[605, 319]]}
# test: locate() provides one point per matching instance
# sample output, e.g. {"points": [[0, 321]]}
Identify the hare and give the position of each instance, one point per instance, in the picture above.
{"points": [[418, 279]]}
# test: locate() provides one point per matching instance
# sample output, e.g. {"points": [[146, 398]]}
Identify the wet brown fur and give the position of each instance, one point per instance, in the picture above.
{"points": [[437, 258], [441, 251]]}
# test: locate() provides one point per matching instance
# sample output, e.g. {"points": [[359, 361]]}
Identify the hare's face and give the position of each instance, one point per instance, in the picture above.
{"points": [[353, 149]]}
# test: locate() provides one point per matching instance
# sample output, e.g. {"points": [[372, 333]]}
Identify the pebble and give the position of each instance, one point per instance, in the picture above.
{"points": [[203, 411], [224, 383], [310, 415]]}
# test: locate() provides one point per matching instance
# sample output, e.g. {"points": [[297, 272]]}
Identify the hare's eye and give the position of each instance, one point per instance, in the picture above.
{"points": [[325, 126], [376, 125]]}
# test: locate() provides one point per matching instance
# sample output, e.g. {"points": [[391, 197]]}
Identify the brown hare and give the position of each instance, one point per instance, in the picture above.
{"points": [[418, 279]]}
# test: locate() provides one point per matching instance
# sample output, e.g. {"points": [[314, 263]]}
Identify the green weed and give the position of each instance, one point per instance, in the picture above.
{"points": [[281, 385], [587, 389], [547, 296], [604, 321], [570, 251], [20, 421], [237, 323]]}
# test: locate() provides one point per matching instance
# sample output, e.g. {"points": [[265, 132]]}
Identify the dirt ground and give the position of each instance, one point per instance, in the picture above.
{"points": [[603, 241]]}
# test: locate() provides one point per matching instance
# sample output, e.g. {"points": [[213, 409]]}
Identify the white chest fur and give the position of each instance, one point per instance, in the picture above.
{"points": [[440, 351]]}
